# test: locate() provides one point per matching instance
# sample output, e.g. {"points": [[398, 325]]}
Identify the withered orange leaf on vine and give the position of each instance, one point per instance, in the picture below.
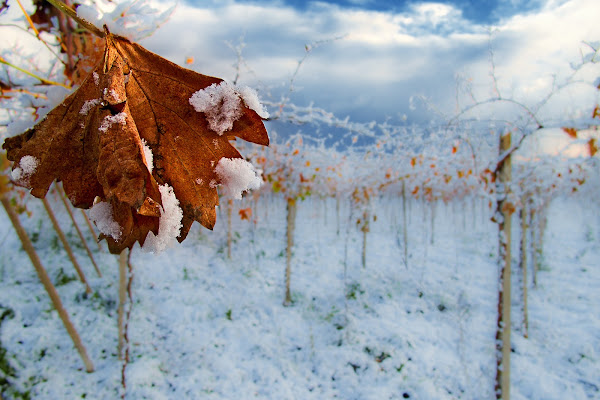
{"points": [[139, 128]]}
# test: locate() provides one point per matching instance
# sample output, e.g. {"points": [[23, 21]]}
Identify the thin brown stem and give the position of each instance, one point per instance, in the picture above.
{"points": [[65, 9]]}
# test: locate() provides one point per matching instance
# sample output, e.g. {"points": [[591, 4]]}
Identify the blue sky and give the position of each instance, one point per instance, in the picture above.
{"points": [[481, 11]]}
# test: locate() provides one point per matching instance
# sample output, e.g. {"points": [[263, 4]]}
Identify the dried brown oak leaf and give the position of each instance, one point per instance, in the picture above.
{"points": [[93, 143]]}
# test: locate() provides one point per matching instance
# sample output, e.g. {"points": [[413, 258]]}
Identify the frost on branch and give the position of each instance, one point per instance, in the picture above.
{"points": [[128, 133], [237, 175]]}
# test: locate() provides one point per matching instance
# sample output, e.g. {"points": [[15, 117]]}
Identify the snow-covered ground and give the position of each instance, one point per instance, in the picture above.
{"points": [[205, 326]]}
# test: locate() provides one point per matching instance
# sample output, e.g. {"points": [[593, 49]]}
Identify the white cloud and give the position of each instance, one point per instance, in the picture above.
{"points": [[383, 58]]}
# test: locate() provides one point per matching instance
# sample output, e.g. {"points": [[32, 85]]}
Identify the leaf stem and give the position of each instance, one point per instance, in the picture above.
{"points": [[46, 81], [65, 9]]}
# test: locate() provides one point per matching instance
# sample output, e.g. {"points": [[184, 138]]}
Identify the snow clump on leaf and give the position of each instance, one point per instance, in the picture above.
{"points": [[101, 214], [120, 118], [250, 97], [222, 104], [26, 168], [169, 225], [148, 156], [237, 175]]}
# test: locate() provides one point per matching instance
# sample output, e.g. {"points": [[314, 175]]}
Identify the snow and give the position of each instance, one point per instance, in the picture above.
{"points": [[109, 120], [88, 105], [251, 100], [133, 20], [237, 176], [148, 156], [222, 104], [169, 224], [18, 126], [27, 167], [204, 326], [101, 214]]}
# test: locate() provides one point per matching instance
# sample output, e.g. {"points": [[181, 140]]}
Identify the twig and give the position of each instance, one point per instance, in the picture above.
{"points": [[43, 80], [37, 33], [63, 8]]}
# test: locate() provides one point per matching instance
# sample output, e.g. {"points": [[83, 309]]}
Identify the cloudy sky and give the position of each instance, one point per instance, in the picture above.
{"points": [[371, 56]]}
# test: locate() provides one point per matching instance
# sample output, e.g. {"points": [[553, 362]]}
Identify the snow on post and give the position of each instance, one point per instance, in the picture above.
{"points": [[237, 175]]}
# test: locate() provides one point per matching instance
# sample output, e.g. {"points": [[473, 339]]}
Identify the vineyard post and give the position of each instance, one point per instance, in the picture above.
{"points": [[534, 239], [291, 222], [503, 329], [337, 213], [404, 224], [523, 261], [66, 245], [91, 228], [79, 233], [122, 301], [45, 279], [365, 231], [229, 211], [433, 213]]}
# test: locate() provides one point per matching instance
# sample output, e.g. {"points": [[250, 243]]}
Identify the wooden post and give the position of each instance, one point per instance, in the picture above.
{"points": [[83, 241], [45, 279], [291, 222], [433, 211], [66, 245], [91, 228], [523, 263], [534, 228], [229, 211], [503, 329], [365, 230], [404, 224], [122, 300]]}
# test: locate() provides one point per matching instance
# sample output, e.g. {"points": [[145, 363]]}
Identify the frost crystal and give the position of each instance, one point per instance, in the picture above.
{"points": [[148, 156], [222, 104], [119, 118], [251, 100], [101, 214], [237, 175], [169, 225], [88, 105], [26, 168]]}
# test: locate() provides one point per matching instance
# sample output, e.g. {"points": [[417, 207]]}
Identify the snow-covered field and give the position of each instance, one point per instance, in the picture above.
{"points": [[205, 326]]}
